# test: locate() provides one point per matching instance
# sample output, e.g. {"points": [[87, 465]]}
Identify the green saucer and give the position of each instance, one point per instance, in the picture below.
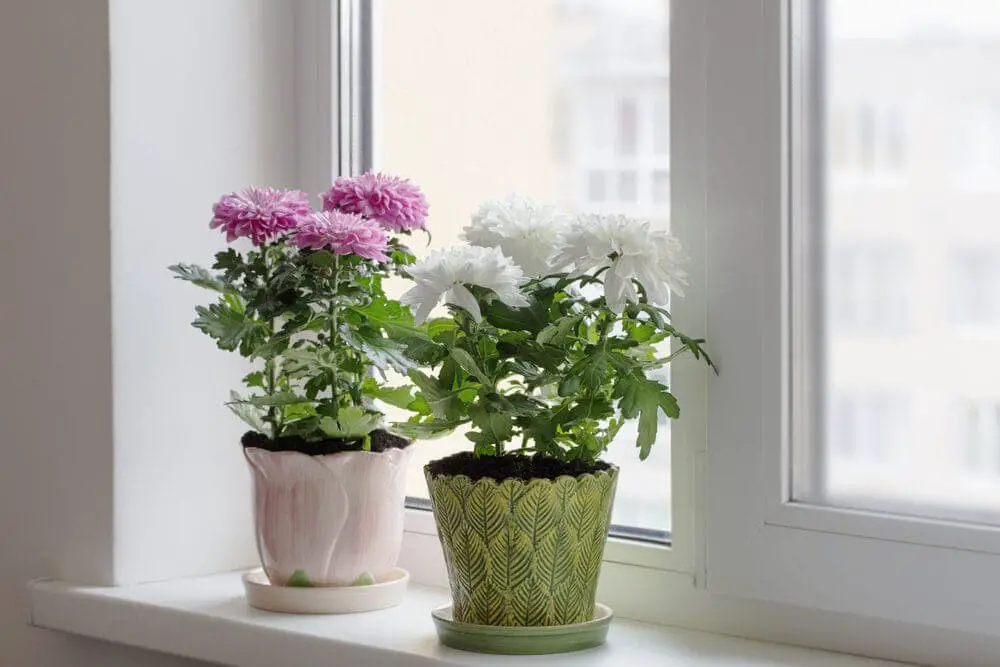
{"points": [[522, 640]]}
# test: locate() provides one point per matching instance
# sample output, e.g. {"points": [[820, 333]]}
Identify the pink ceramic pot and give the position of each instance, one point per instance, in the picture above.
{"points": [[329, 519]]}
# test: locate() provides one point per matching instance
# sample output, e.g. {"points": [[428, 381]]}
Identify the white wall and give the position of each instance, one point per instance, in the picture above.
{"points": [[109, 163], [202, 103]]}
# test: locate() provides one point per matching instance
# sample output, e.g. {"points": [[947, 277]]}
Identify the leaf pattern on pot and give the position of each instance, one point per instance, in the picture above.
{"points": [[523, 553]]}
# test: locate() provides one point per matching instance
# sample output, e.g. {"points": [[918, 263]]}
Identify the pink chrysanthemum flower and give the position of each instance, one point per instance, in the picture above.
{"points": [[396, 203], [260, 214], [343, 234]]}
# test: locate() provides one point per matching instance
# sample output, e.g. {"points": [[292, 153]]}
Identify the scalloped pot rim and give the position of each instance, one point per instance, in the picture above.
{"points": [[613, 469]]}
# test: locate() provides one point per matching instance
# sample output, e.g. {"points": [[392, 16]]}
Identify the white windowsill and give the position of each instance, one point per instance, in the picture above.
{"points": [[207, 618]]}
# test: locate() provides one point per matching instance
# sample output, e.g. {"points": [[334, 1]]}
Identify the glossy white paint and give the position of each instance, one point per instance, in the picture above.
{"points": [[207, 618], [760, 544], [188, 124], [56, 479], [121, 122]]}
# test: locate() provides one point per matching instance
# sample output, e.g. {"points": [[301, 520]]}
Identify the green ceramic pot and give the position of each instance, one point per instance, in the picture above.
{"points": [[523, 553]]}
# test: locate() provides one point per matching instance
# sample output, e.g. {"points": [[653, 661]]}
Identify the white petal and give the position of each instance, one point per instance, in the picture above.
{"points": [[413, 296], [513, 298], [675, 283], [423, 298], [615, 289], [461, 297], [656, 286], [424, 311]]}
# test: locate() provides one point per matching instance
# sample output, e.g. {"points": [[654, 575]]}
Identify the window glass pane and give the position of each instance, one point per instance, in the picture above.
{"points": [[904, 148], [627, 187], [661, 188], [627, 126], [597, 186], [661, 122], [974, 281], [559, 100]]}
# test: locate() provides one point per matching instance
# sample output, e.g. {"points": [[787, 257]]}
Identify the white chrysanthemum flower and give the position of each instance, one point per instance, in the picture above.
{"points": [[445, 273], [632, 251], [526, 232]]}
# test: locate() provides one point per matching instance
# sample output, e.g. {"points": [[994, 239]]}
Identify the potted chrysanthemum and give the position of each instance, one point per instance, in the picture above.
{"points": [[555, 328], [300, 296]]}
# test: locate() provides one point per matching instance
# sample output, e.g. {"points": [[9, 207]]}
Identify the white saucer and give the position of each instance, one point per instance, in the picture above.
{"points": [[384, 593]]}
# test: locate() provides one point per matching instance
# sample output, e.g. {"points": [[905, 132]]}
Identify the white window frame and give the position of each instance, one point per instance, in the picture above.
{"points": [[761, 543], [734, 533], [350, 94]]}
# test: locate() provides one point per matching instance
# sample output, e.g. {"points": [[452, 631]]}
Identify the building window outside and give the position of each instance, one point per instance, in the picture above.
{"points": [[869, 288], [868, 426], [979, 429], [977, 151], [867, 139], [628, 130], [975, 289]]}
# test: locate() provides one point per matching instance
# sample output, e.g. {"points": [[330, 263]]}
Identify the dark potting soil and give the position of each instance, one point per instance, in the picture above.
{"points": [[381, 441], [511, 466]]}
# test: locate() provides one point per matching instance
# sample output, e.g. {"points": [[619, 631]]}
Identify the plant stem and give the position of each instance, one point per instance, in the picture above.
{"points": [[334, 328], [270, 374]]}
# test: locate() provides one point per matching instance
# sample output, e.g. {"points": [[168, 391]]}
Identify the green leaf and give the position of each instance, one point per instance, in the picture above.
{"points": [[390, 316], [351, 422], [307, 428], [591, 370], [557, 333], [321, 259], [298, 411], [570, 385], [643, 332], [644, 398], [383, 352], [494, 427], [309, 363], [198, 276], [522, 405], [448, 373], [231, 330], [278, 399], [269, 349], [692, 345], [658, 316], [255, 379], [442, 329], [227, 260], [549, 357], [506, 349], [250, 414], [469, 365], [400, 397], [419, 405], [590, 409], [424, 430], [621, 363], [532, 318], [444, 403], [423, 351], [541, 429]]}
